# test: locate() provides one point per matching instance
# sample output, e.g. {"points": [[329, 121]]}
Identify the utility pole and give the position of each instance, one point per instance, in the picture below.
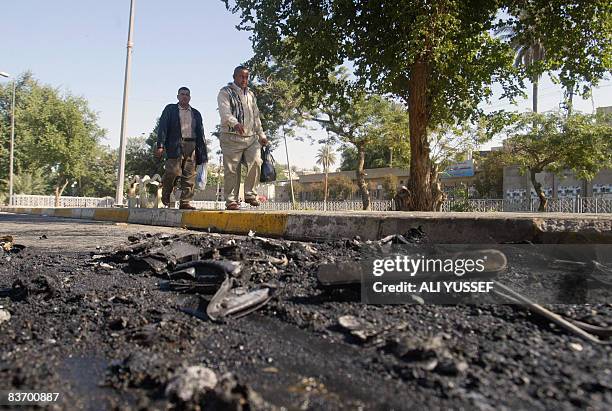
{"points": [[126, 85], [11, 155], [217, 194], [289, 168]]}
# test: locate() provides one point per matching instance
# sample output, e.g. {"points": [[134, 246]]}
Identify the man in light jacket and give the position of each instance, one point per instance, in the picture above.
{"points": [[241, 138]]}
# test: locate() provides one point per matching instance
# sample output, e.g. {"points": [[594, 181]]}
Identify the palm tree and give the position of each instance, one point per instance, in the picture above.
{"points": [[528, 51], [326, 158]]}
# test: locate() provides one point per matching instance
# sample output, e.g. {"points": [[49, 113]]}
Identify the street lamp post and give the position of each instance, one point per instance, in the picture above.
{"points": [[3, 74], [126, 84]]}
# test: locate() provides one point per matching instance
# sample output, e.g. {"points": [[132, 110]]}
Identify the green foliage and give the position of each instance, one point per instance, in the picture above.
{"points": [[389, 145], [439, 57], [139, 156], [34, 182], [214, 175], [575, 34], [581, 143], [101, 178], [588, 144], [377, 155], [312, 191], [551, 142], [461, 206], [281, 173], [298, 189], [396, 134], [390, 186], [529, 52], [459, 199], [279, 100], [354, 118], [326, 157], [340, 188], [384, 40], [55, 134], [490, 178]]}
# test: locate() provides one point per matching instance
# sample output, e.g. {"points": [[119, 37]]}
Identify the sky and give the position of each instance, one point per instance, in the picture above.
{"points": [[80, 47]]}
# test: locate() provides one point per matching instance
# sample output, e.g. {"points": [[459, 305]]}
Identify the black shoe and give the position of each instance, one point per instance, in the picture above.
{"points": [[252, 201], [233, 206], [186, 206]]}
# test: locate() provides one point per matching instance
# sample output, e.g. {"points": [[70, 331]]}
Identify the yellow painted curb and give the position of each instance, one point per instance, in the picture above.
{"points": [[232, 222], [119, 216], [63, 212]]}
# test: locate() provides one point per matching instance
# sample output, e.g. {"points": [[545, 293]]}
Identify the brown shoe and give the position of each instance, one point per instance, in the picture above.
{"points": [[186, 206], [233, 206], [252, 201]]}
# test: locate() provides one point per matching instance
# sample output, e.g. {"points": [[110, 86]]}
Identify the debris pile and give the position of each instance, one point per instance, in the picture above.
{"points": [[8, 247], [192, 269], [117, 317]]}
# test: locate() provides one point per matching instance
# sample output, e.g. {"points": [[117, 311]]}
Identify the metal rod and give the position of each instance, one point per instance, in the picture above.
{"points": [[555, 318], [11, 156], [126, 85]]}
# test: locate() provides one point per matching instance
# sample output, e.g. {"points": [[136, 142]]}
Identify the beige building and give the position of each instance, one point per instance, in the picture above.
{"points": [[564, 185], [375, 178]]}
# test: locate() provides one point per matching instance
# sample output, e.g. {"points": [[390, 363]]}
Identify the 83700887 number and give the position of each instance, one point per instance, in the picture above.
{"points": [[27, 397]]}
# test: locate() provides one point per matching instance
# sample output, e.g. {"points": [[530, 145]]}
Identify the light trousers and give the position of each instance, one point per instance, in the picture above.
{"points": [[235, 149]]}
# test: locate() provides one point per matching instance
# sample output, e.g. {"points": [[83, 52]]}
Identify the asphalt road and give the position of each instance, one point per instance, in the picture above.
{"points": [[72, 234], [113, 338]]}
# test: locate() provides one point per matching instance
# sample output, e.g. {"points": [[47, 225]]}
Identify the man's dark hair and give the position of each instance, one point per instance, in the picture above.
{"points": [[183, 88], [240, 68]]}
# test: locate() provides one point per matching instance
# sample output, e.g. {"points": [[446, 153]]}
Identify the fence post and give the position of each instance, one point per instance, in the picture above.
{"points": [[577, 204]]}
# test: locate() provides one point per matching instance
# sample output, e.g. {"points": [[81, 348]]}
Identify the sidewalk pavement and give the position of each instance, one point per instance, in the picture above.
{"points": [[442, 228]]}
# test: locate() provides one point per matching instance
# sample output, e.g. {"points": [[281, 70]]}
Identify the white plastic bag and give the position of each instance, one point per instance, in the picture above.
{"points": [[200, 182]]}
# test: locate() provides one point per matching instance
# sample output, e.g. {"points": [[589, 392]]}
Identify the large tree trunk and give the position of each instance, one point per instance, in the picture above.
{"points": [[437, 194], [538, 188], [423, 176], [58, 192], [363, 187]]}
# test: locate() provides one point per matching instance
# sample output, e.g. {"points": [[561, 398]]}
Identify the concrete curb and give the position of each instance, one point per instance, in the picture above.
{"points": [[449, 228]]}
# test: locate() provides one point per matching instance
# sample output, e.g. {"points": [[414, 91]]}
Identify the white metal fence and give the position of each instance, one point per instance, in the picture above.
{"points": [[24, 200], [563, 205], [302, 205], [596, 205]]}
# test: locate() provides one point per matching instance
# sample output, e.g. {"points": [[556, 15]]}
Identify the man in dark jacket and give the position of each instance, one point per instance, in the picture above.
{"points": [[181, 135]]}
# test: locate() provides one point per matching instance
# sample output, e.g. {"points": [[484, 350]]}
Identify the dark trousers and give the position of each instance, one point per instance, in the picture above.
{"points": [[182, 167]]}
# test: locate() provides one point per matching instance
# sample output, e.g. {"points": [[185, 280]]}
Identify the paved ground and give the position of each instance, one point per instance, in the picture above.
{"points": [[113, 339], [67, 234]]}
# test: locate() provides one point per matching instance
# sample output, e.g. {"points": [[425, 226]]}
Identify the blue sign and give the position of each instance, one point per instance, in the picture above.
{"points": [[462, 169]]}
